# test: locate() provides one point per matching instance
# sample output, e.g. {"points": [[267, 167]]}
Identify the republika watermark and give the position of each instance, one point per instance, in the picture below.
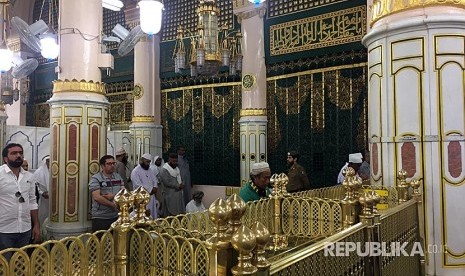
{"points": [[385, 249]]}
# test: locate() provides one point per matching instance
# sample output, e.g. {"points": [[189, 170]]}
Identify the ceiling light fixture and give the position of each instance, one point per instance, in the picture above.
{"points": [[150, 16]]}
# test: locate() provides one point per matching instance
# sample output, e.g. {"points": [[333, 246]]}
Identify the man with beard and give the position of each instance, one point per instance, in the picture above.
{"points": [[184, 169], [18, 203], [298, 180], [103, 187], [142, 176], [170, 179], [120, 167]]}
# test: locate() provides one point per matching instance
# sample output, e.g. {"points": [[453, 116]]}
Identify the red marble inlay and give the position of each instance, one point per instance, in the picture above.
{"points": [[55, 143], [95, 143], [71, 202], [72, 143], [454, 151], [374, 158], [54, 195], [409, 159]]}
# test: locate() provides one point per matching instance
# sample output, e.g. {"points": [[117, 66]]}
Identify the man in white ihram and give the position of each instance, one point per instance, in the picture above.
{"points": [[355, 161], [143, 176]]}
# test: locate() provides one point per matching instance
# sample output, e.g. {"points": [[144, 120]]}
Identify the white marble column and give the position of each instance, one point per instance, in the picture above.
{"points": [[78, 117], [416, 116], [146, 122], [253, 122]]}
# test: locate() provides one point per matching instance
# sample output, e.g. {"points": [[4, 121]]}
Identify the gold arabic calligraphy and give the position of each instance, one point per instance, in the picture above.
{"points": [[320, 31]]}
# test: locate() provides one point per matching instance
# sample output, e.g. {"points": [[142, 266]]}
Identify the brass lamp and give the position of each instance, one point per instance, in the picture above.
{"points": [[206, 54]]}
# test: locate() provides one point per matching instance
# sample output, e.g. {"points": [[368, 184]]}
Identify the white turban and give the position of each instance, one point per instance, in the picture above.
{"points": [[258, 168]]}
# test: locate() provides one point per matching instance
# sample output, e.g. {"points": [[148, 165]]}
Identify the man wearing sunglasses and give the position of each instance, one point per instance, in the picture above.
{"points": [[18, 205]]}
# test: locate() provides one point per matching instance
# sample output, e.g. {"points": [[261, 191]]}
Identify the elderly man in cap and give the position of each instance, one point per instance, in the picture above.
{"points": [[195, 205], [143, 176], [355, 161], [298, 180], [257, 186], [120, 167]]}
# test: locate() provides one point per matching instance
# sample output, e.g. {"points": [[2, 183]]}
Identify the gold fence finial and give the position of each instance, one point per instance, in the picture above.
{"points": [[283, 181], [238, 208], [274, 181], [123, 200], [141, 199], [244, 242], [219, 213], [415, 184], [350, 203], [402, 186], [262, 236]]}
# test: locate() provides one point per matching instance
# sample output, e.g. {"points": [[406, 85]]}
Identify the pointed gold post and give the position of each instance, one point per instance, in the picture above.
{"points": [[219, 244], [350, 203], [141, 199], [262, 236], [244, 241], [121, 228]]}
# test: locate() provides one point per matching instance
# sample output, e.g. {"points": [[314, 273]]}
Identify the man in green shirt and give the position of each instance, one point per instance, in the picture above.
{"points": [[257, 186]]}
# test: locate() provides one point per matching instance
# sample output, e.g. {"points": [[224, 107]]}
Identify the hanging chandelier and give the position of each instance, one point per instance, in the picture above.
{"points": [[206, 55]]}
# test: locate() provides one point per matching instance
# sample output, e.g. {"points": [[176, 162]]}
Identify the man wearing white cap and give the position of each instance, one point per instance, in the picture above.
{"points": [[257, 186], [143, 176], [355, 161]]}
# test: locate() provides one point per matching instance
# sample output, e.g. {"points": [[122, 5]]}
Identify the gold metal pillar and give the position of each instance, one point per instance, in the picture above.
{"points": [[350, 203]]}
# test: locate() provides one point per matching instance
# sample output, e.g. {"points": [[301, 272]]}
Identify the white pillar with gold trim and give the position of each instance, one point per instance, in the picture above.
{"points": [[253, 122], [416, 115], [78, 117], [146, 123]]}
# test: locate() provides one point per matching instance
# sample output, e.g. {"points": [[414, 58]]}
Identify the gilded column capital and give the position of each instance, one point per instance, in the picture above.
{"points": [[143, 119], [383, 8], [253, 112], [248, 10], [74, 85]]}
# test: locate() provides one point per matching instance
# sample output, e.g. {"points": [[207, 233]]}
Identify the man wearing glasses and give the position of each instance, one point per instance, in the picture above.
{"points": [[18, 205], [103, 187]]}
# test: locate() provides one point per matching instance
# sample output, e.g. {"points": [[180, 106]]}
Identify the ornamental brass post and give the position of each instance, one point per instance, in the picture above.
{"points": [[220, 257], [121, 228], [350, 203], [278, 239], [367, 218], [244, 241], [238, 209], [262, 236], [402, 186], [283, 182], [141, 199]]}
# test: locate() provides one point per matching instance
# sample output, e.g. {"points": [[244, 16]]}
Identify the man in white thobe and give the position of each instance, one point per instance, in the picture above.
{"points": [[143, 176]]}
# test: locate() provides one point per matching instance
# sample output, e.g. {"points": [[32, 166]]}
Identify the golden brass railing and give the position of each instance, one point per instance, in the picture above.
{"points": [[232, 237], [87, 254], [312, 259], [407, 231]]}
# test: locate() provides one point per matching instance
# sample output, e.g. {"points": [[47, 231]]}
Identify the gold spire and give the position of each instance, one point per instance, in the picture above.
{"points": [[383, 8]]}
